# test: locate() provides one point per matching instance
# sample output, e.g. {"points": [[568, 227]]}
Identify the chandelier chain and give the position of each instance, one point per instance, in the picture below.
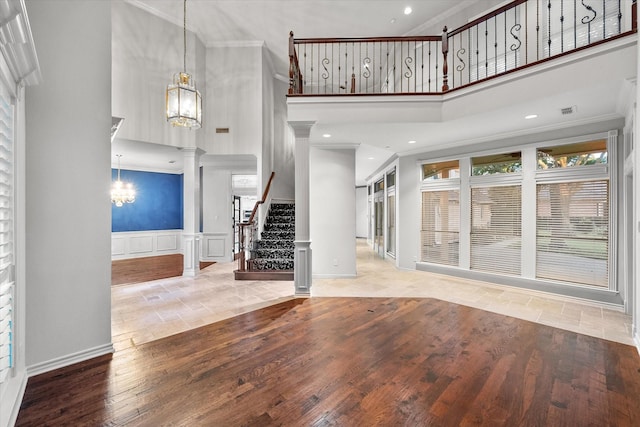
{"points": [[184, 37]]}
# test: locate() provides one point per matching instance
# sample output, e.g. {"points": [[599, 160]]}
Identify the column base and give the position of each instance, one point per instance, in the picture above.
{"points": [[302, 268], [191, 254]]}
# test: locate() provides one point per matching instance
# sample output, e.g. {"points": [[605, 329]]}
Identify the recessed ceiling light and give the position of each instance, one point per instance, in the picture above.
{"points": [[407, 10], [326, 135], [412, 142], [531, 116], [172, 161], [371, 158]]}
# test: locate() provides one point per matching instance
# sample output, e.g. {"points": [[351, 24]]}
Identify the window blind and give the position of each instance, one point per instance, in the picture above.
{"points": [[440, 226], [572, 238], [496, 229], [7, 289]]}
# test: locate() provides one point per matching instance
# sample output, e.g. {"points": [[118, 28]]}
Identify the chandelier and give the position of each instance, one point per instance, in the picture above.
{"points": [[184, 103], [122, 193]]}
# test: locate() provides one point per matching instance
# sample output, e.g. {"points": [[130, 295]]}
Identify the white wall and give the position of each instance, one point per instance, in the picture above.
{"points": [[234, 84], [332, 207], [217, 221], [408, 216], [284, 161], [68, 241], [362, 213], [147, 52]]}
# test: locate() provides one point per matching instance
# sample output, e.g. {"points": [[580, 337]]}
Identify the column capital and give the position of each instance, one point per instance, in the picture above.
{"points": [[301, 129]]}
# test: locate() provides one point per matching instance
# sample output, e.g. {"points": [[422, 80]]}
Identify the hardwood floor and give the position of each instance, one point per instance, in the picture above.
{"points": [[138, 270], [346, 362]]}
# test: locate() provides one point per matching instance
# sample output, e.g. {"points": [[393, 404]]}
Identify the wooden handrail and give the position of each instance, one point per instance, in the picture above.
{"points": [[405, 65], [264, 198], [242, 259]]}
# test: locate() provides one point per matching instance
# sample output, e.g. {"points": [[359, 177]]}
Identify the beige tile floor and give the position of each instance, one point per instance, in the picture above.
{"points": [[147, 311]]}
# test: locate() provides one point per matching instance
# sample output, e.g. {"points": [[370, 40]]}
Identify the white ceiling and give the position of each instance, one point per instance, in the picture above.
{"points": [[221, 21]]}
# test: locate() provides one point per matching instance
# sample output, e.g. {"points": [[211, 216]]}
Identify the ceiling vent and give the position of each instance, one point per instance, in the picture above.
{"points": [[568, 110]]}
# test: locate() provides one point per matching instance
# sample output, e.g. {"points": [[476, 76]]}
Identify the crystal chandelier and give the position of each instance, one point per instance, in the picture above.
{"points": [[122, 193], [184, 103]]}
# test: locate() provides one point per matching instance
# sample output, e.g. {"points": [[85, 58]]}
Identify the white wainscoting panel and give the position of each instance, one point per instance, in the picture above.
{"points": [[217, 247], [118, 246], [137, 244], [167, 242], [141, 244]]}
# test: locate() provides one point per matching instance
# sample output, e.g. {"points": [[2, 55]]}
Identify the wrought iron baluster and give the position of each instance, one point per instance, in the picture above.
{"points": [[305, 65], [561, 25], [422, 62], [468, 32], [575, 24], [537, 30], [461, 67], [353, 68], [332, 69], [359, 65], [495, 44], [429, 80], [619, 17], [311, 70], [339, 67], [515, 46], [486, 49], [325, 62], [415, 78], [436, 72], [346, 67], [604, 20], [587, 19], [373, 68], [505, 41], [386, 75], [549, 24], [477, 54]]}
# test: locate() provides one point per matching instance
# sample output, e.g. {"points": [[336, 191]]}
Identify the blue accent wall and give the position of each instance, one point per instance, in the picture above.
{"points": [[158, 204]]}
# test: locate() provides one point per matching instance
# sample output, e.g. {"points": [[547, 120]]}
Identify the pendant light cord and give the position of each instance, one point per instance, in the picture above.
{"points": [[184, 38]]}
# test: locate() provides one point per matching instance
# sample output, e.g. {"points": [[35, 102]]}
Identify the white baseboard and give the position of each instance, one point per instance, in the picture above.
{"points": [[10, 417], [70, 359], [636, 340], [335, 276]]}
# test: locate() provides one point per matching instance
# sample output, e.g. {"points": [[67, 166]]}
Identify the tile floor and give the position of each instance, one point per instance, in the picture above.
{"points": [[147, 311]]}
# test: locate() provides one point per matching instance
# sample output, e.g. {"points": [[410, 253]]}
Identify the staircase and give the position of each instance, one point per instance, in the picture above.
{"points": [[272, 255]]}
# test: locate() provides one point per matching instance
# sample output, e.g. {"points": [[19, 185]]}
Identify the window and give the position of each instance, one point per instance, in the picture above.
{"points": [[440, 226], [391, 179], [442, 170], [572, 155], [496, 164], [496, 229], [7, 288], [391, 224]]}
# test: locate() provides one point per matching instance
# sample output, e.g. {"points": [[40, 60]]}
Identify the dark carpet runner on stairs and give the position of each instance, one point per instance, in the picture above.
{"points": [[274, 250]]}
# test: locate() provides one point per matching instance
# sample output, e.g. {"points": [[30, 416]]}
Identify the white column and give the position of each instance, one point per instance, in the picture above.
{"points": [[191, 212], [302, 254]]}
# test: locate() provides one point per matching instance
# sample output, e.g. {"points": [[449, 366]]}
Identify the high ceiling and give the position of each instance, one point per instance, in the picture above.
{"points": [[220, 21], [223, 21]]}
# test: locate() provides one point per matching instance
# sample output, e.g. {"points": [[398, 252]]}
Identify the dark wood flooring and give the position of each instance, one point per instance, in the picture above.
{"points": [[137, 270], [350, 362]]}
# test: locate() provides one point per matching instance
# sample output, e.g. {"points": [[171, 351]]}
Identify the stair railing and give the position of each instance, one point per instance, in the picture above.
{"points": [[517, 35], [249, 230]]}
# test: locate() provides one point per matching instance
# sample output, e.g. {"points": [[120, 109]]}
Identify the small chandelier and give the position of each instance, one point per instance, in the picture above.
{"points": [[122, 193], [184, 103]]}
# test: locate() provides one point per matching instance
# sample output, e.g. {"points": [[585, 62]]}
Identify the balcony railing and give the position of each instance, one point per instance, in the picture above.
{"points": [[517, 35]]}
